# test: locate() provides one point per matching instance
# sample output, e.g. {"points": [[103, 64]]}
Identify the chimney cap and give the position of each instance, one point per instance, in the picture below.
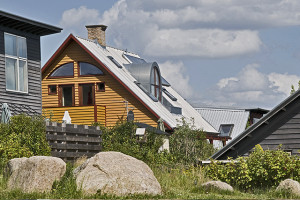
{"points": [[103, 27]]}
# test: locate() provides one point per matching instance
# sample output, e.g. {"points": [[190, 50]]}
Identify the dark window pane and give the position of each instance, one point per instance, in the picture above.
{"points": [[67, 96], [87, 95], [89, 69], [225, 129], [64, 70], [52, 89], [100, 86]]}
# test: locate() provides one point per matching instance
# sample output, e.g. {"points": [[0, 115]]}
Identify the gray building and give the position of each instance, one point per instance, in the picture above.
{"points": [[20, 62], [230, 122], [280, 126]]}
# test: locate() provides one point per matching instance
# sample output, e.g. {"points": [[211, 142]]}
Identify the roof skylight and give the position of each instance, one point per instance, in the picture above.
{"points": [[169, 95], [134, 60], [114, 61]]}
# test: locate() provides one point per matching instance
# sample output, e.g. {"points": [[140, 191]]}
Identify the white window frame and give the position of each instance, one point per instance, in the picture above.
{"points": [[17, 72]]}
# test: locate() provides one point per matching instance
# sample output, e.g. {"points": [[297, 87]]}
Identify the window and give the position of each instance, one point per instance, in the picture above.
{"points": [[86, 94], [65, 70], [225, 129], [16, 63], [66, 93], [169, 95], [114, 61], [133, 59], [155, 87], [52, 89], [144, 90], [101, 87], [87, 69]]}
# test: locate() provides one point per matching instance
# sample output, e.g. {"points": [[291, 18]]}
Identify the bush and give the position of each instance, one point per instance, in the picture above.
{"points": [[24, 136], [262, 169], [122, 138], [187, 144]]}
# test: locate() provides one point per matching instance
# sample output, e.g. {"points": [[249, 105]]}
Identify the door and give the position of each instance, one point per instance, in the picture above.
{"points": [[87, 94], [66, 95]]}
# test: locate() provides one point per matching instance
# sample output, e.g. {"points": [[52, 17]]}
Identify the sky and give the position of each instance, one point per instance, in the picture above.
{"points": [[216, 53]]}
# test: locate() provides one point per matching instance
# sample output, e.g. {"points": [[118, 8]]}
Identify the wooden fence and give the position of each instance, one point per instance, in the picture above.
{"points": [[71, 141]]}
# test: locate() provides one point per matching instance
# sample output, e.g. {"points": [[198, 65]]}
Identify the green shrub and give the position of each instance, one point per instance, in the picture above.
{"points": [[122, 138], [24, 136], [187, 144], [262, 169]]}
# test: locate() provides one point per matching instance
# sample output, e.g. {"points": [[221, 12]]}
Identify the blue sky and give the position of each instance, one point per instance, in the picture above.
{"points": [[217, 53]]}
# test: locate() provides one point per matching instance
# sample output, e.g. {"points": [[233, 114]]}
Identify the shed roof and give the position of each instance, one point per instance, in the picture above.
{"points": [[26, 25]]}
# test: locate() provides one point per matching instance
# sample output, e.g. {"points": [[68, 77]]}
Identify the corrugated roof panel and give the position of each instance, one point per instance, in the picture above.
{"points": [[123, 75], [216, 117]]}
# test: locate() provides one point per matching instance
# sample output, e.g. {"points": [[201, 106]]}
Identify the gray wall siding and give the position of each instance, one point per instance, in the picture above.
{"points": [[288, 135], [33, 98]]}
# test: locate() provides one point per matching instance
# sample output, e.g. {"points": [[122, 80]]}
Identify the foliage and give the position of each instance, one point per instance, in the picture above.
{"points": [[261, 169], [122, 138], [293, 90], [66, 188], [24, 136], [187, 144]]}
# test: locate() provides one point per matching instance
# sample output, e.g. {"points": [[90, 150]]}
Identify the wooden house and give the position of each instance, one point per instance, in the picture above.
{"points": [[20, 62], [280, 126], [98, 83]]}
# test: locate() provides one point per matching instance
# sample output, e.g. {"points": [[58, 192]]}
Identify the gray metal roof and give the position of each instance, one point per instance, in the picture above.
{"points": [[261, 129], [26, 25], [129, 80], [142, 72], [219, 116]]}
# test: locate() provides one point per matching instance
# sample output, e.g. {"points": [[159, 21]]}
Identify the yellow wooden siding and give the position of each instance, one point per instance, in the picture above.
{"points": [[78, 114], [101, 115], [113, 98]]}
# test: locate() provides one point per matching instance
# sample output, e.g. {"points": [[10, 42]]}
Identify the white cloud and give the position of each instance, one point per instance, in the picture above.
{"points": [[250, 87], [283, 82], [175, 74], [195, 28], [202, 43], [76, 19]]}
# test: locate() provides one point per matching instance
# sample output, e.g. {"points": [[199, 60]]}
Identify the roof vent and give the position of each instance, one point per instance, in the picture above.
{"points": [[97, 32]]}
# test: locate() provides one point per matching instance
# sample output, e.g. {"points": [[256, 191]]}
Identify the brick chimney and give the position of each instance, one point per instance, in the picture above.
{"points": [[97, 32]]}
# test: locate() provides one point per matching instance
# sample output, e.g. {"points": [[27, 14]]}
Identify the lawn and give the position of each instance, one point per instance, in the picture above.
{"points": [[176, 182]]}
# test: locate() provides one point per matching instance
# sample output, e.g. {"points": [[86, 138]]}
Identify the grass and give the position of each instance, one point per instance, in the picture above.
{"points": [[177, 183]]}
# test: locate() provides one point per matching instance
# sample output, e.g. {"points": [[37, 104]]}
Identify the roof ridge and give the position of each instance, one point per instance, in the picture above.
{"points": [[125, 51]]}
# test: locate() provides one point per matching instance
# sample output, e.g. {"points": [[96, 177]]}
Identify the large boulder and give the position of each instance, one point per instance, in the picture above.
{"points": [[117, 174], [35, 174], [217, 185], [289, 185]]}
